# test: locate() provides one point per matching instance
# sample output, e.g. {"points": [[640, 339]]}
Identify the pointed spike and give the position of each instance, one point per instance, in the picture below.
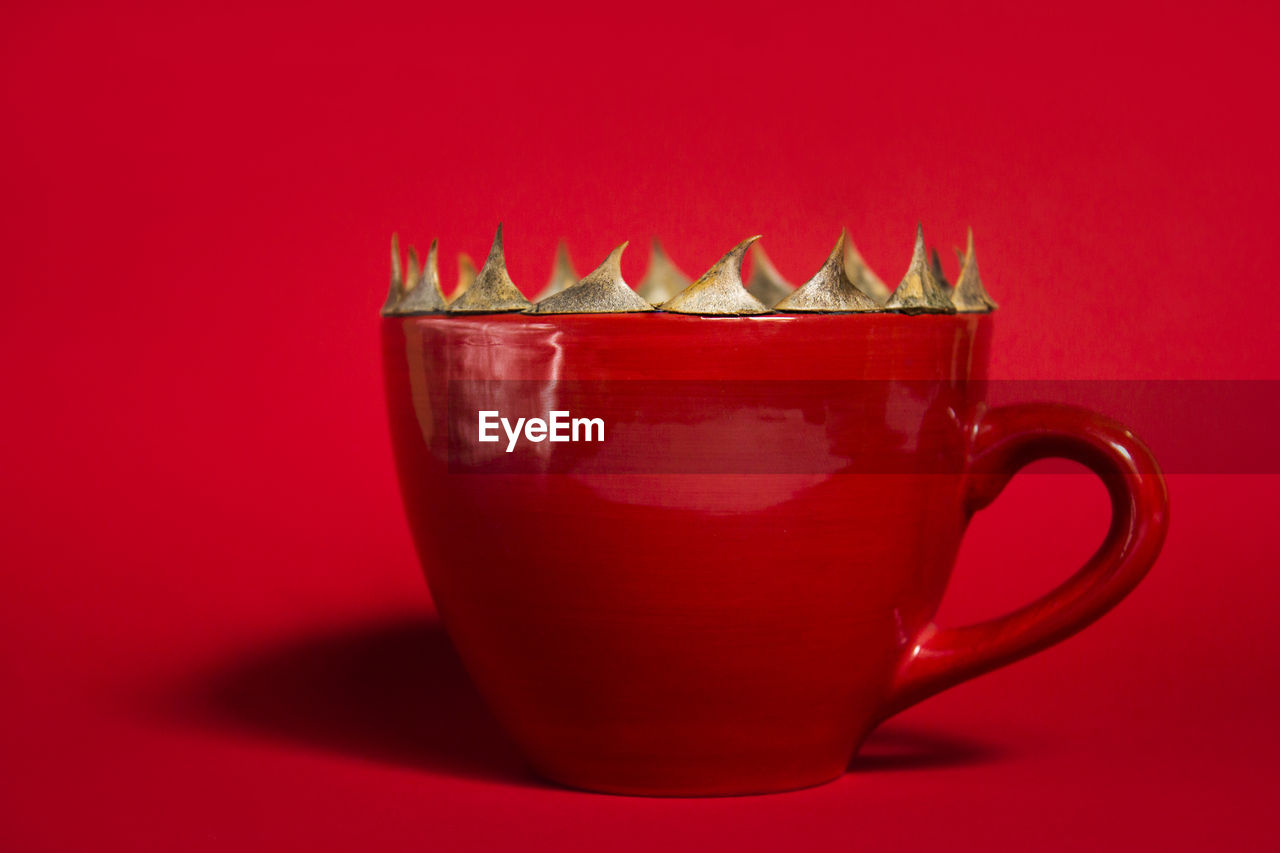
{"points": [[603, 291], [719, 290], [970, 296], [663, 279], [935, 266], [411, 277], [425, 296], [766, 283], [919, 292], [396, 290], [493, 292], [863, 277], [466, 276], [563, 274], [830, 290], [613, 263]]}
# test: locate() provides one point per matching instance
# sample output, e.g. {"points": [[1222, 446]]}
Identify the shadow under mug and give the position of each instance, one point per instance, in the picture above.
{"points": [[642, 616]]}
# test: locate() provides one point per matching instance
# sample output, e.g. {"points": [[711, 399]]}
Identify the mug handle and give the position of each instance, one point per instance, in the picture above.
{"points": [[1005, 440]]}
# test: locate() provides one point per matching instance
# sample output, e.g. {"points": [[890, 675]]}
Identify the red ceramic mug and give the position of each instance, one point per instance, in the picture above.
{"points": [[645, 626]]}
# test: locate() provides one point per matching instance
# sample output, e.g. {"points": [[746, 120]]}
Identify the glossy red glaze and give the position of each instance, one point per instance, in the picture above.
{"points": [[697, 634]]}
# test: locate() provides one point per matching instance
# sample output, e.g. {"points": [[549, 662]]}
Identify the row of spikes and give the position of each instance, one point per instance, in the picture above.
{"points": [[844, 284]]}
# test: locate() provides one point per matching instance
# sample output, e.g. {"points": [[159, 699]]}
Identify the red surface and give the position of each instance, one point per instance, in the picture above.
{"points": [[686, 632], [215, 635]]}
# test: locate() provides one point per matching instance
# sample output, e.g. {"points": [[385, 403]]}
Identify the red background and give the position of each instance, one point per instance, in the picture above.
{"points": [[215, 635]]}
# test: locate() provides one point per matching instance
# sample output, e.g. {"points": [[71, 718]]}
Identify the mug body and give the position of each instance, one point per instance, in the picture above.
{"points": [[716, 597]]}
